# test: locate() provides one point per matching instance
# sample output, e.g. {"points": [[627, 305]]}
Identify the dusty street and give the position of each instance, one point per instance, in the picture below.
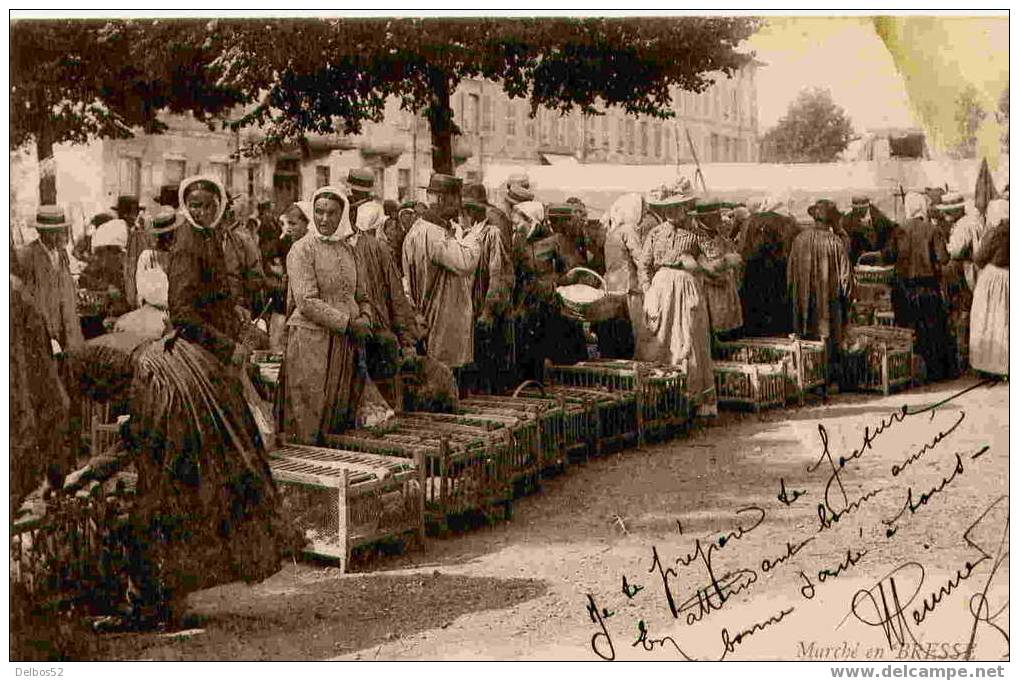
{"points": [[772, 579]]}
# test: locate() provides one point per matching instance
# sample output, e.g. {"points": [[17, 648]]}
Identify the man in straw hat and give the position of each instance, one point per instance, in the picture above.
{"points": [[44, 268], [437, 267]]}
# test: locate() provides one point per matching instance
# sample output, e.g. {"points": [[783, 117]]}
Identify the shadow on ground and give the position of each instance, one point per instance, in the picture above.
{"points": [[294, 617]]}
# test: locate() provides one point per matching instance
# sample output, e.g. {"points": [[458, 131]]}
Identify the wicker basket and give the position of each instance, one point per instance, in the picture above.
{"points": [[874, 274], [342, 499], [753, 385], [607, 306]]}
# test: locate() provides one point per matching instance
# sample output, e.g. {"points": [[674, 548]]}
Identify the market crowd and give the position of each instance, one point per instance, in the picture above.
{"points": [[348, 291]]}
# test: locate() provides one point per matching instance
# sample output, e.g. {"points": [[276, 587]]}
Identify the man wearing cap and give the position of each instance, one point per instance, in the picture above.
{"points": [[868, 230], [491, 290], [43, 267], [437, 270]]}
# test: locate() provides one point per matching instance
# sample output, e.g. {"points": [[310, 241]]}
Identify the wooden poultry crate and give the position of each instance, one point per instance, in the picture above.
{"points": [[610, 417], [548, 416], [879, 358], [806, 361], [343, 499], [756, 385], [462, 472], [662, 399]]}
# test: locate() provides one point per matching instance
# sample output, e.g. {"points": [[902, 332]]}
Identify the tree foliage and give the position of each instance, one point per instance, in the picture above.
{"points": [[969, 116], [814, 130], [77, 80], [331, 75]]}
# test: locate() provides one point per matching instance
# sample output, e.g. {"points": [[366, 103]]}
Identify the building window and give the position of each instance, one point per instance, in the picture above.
{"points": [[321, 176], [714, 147], [173, 171], [620, 135], [530, 127], [560, 130], [668, 142], [221, 171], [471, 113], [631, 141], [130, 177], [403, 192], [487, 117], [658, 140], [605, 142], [251, 182], [511, 118], [644, 142]]}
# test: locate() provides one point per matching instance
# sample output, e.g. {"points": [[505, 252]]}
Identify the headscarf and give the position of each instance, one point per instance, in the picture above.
{"points": [[110, 233], [627, 210], [370, 217], [343, 230], [306, 210], [217, 188], [915, 205], [997, 212], [533, 212]]}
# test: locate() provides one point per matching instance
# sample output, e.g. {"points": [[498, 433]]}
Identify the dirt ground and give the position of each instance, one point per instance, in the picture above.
{"points": [[520, 589]]}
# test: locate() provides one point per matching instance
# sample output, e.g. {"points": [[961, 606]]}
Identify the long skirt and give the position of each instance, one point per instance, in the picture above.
{"points": [[724, 308], [207, 510], [321, 385], [988, 344], [918, 305], [679, 334]]}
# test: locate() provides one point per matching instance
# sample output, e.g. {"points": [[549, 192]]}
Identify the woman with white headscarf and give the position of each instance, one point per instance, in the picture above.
{"points": [[201, 306], [989, 319], [321, 381], [917, 248], [623, 245]]}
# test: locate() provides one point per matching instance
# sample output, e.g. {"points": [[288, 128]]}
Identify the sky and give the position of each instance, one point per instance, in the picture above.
{"points": [[930, 59]]}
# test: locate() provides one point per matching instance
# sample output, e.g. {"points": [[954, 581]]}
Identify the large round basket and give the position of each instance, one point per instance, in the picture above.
{"points": [[587, 303]]}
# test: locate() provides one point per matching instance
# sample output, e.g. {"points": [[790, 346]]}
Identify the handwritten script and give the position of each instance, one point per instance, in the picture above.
{"points": [[837, 537]]}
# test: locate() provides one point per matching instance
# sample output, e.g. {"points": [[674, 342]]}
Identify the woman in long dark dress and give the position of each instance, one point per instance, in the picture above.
{"points": [[206, 510], [917, 248], [765, 245]]}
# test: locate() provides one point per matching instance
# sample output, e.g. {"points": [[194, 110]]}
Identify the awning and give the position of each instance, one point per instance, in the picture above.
{"points": [[559, 160]]}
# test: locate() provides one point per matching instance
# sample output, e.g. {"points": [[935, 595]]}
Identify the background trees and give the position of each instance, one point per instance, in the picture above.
{"points": [[814, 130], [325, 75], [76, 80]]}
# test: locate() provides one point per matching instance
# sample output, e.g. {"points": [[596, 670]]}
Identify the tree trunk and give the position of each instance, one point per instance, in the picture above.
{"points": [[440, 121], [47, 168]]}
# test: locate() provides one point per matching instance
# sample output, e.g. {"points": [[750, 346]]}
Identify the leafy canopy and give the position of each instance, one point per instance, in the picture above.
{"points": [[814, 130]]}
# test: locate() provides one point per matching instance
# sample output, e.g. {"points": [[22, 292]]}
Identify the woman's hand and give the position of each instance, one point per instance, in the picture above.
{"points": [[360, 328]]}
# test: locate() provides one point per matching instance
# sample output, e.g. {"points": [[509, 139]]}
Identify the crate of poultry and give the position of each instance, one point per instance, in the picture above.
{"points": [[343, 500], [754, 385], [462, 474], [515, 438], [550, 417], [70, 550], [612, 415], [805, 361], [580, 418], [662, 400], [878, 358]]}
